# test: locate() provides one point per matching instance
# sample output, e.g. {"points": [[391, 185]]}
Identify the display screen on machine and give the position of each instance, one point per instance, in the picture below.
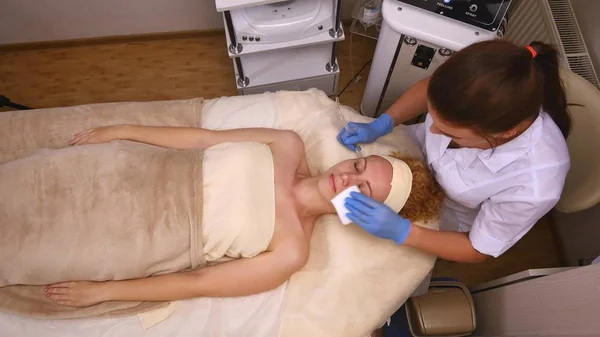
{"points": [[486, 14]]}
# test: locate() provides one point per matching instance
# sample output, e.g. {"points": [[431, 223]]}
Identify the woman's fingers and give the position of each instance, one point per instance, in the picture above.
{"points": [[357, 212], [62, 300], [93, 136], [81, 140], [58, 291], [74, 140], [356, 206], [59, 285], [63, 293], [58, 297], [357, 220], [81, 137], [84, 139], [363, 199], [84, 131], [362, 202]]}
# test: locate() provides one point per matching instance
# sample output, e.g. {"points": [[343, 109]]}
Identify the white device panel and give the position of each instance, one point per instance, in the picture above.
{"points": [[430, 27], [401, 75], [283, 25], [226, 5], [408, 35], [288, 66], [251, 48], [284, 45], [327, 83], [284, 21]]}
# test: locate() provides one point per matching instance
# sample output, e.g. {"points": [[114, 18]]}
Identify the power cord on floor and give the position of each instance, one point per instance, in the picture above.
{"points": [[4, 101]]}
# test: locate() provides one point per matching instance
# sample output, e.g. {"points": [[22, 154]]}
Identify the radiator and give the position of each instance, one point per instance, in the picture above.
{"points": [[552, 22]]}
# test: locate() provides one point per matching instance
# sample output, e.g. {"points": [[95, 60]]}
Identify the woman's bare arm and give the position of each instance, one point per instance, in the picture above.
{"points": [[235, 278], [178, 137], [410, 104], [451, 246]]}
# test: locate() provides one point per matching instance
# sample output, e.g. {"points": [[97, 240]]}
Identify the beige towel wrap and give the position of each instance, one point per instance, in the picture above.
{"points": [[239, 200]]}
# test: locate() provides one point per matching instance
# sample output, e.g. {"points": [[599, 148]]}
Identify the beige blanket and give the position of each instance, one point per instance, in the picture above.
{"points": [[96, 212], [352, 282]]}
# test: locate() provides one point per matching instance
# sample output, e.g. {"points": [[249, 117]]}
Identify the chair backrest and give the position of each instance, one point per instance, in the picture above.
{"points": [[582, 187]]}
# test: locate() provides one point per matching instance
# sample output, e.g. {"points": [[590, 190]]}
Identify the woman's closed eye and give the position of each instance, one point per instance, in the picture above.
{"points": [[360, 165], [365, 189]]}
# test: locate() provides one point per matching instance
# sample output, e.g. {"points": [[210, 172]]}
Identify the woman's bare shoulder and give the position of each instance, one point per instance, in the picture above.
{"points": [[292, 141], [290, 160], [289, 152]]}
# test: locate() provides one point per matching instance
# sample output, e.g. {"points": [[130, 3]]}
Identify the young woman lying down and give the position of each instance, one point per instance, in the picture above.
{"points": [[277, 249]]}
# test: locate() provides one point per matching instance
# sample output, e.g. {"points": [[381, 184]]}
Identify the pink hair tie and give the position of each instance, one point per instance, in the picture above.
{"points": [[532, 51]]}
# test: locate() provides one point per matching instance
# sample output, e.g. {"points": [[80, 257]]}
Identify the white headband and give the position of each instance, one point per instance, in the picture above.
{"points": [[401, 183]]}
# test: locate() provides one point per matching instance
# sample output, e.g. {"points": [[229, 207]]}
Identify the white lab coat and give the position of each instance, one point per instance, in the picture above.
{"points": [[497, 196]]}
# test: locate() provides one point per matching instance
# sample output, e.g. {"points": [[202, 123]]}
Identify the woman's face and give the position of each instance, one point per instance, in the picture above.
{"points": [[462, 136], [372, 175]]}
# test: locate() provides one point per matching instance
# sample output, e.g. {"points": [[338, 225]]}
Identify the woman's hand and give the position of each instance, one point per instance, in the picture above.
{"points": [[377, 218], [103, 134], [76, 294], [366, 132]]}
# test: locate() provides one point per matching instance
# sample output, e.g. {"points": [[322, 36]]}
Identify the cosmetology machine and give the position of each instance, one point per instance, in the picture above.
{"points": [[283, 45], [418, 35]]}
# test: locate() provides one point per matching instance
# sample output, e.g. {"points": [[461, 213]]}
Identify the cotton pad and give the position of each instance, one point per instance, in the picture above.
{"points": [[339, 201]]}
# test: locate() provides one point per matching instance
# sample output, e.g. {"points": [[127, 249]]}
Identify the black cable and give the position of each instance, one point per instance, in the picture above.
{"points": [[4, 101], [353, 78]]}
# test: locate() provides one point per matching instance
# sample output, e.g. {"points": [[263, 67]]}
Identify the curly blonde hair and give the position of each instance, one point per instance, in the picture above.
{"points": [[425, 200]]}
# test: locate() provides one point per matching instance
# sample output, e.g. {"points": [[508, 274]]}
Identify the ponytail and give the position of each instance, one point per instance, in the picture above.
{"points": [[494, 86], [554, 102]]}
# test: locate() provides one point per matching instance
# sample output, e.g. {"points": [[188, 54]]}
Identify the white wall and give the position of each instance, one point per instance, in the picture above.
{"points": [[586, 12], [50, 20]]}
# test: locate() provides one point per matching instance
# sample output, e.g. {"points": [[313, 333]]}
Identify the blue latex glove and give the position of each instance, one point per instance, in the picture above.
{"points": [[366, 132], [377, 218]]}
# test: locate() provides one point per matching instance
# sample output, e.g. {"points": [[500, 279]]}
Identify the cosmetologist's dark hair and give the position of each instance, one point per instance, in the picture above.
{"points": [[493, 86]]}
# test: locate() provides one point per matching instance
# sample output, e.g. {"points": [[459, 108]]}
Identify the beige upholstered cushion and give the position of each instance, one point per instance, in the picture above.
{"points": [[582, 187]]}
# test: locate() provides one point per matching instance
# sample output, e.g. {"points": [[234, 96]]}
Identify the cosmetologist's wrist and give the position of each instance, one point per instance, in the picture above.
{"points": [[412, 236], [385, 123], [404, 231]]}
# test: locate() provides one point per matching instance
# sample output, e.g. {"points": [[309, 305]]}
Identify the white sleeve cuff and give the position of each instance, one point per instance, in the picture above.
{"points": [[488, 245]]}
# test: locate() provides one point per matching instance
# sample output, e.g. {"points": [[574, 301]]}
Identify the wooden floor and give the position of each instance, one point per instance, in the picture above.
{"points": [[146, 70], [197, 65]]}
